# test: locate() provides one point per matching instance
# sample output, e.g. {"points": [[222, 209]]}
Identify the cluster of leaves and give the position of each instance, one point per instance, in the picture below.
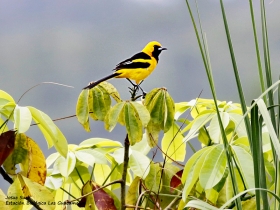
{"points": [[18, 149], [88, 175]]}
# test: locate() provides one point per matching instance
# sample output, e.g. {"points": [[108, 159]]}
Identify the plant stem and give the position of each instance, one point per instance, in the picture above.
{"points": [[125, 166], [133, 93]]}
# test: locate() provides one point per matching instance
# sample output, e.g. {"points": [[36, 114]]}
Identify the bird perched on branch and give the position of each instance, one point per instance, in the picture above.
{"points": [[136, 68]]}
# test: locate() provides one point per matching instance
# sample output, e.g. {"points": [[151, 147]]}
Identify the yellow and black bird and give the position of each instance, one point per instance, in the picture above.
{"points": [[136, 68]]}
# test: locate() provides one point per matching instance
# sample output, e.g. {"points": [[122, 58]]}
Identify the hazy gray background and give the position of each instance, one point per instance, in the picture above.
{"points": [[75, 42]]}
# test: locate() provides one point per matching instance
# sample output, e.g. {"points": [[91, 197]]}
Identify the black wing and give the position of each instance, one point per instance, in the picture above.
{"points": [[129, 64]]}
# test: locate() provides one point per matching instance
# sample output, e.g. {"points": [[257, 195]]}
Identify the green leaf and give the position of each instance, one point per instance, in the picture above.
{"points": [[192, 170], [132, 193], [133, 124], [198, 204], [50, 131], [3, 128], [162, 110], [118, 155], [91, 156], [152, 133], [90, 203], [169, 112], [212, 195], [111, 90], [7, 109], [52, 157], [181, 108], [2, 200], [101, 103], [54, 182], [240, 127], [101, 173], [5, 97], [142, 112], [82, 109], [66, 165], [21, 150], [113, 115], [214, 127], [213, 168], [245, 163], [80, 173], [15, 191], [173, 145], [139, 164], [85, 156], [99, 142], [152, 181], [22, 118], [149, 99], [39, 193], [157, 111], [142, 146], [199, 122]]}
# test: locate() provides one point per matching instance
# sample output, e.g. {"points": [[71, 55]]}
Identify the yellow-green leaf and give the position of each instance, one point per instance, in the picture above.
{"points": [[132, 193], [169, 112], [113, 115], [2, 200], [101, 173], [101, 103], [139, 164], [192, 170], [143, 113], [22, 119], [111, 90], [152, 181], [133, 124], [82, 109], [15, 191], [173, 145], [5, 97], [213, 168], [50, 131], [66, 165], [39, 193]]}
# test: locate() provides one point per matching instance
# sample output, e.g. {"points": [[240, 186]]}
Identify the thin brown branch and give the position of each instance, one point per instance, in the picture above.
{"points": [[124, 173]]}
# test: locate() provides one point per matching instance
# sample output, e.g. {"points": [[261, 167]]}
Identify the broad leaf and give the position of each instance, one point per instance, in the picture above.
{"points": [[245, 162], [193, 171], [173, 145], [133, 124], [82, 109], [213, 168], [66, 165], [139, 164], [100, 103], [50, 131], [7, 142], [113, 116], [22, 119]]}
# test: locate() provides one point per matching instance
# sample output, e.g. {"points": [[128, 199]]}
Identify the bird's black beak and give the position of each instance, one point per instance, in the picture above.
{"points": [[162, 48]]}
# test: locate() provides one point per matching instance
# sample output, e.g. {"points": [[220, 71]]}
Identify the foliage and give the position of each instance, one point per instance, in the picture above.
{"points": [[236, 167]]}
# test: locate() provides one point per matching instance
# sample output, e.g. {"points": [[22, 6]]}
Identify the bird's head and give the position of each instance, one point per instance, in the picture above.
{"points": [[153, 48]]}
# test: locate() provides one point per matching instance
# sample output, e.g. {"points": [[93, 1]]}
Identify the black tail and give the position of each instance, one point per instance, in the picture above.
{"points": [[93, 84]]}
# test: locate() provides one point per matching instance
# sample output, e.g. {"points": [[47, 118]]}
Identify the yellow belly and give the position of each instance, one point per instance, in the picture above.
{"points": [[137, 74], [134, 74]]}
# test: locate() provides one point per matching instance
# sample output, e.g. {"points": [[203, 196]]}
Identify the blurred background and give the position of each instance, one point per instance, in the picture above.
{"points": [[75, 42]]}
